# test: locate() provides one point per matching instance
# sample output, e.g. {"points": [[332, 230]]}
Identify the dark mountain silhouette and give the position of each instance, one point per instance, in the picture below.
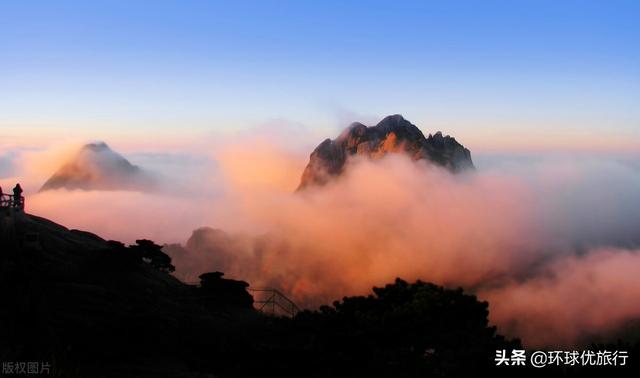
{"points": [[206, 249], [98, 167], [95, 308], [393, 134]]}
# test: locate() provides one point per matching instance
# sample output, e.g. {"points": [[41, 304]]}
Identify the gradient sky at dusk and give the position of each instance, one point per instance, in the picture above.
{"points": [[496, 74]]}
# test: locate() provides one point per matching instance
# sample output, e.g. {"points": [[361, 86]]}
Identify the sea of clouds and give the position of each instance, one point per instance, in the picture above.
{"points": [[552, 241]]}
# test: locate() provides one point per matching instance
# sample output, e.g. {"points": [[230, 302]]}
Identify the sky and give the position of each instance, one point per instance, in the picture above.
{"points": [[222, 102], [498, 75]]}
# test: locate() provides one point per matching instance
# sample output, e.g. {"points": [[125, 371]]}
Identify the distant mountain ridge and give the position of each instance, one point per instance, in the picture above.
{"points": [[98, 167], [393, 134]]}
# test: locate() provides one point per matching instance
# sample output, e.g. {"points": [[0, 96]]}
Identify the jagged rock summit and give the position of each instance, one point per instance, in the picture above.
{"points": [[98, 167], [393, 134]]}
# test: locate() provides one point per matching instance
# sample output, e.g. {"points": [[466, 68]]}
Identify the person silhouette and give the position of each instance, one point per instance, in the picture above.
{"points": [[1, 195], [17, 195]]}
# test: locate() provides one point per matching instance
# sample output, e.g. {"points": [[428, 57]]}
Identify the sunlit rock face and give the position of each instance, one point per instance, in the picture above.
{"points": [[393, 134], [97, 167]]}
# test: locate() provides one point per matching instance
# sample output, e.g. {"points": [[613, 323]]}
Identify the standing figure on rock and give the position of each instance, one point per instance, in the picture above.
{"points": [[17, 195]]}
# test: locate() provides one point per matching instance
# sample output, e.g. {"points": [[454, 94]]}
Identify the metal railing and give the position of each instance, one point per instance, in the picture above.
{"points": [[270, 301], [11, 201], [274, 302]]}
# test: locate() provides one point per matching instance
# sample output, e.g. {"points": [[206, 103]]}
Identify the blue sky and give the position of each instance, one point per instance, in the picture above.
{"points": [[481, 70]]}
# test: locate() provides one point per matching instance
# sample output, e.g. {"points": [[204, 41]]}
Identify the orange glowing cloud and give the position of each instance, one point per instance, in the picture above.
{"points": [[493, 231]]}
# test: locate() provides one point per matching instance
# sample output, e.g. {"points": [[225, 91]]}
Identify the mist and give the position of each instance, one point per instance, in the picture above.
{"points": [[574, 299], [527, 235]]}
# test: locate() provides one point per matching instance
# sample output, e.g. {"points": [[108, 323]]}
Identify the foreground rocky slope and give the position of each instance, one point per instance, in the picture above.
{"points": [[95, 308]]}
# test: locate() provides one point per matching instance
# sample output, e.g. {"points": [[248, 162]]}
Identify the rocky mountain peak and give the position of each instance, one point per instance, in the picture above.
{"points": [[96, 147], [393, 134], [97, 167]]}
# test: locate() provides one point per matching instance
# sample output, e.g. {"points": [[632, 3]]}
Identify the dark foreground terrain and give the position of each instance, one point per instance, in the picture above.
{"points": [[87, 307]]}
